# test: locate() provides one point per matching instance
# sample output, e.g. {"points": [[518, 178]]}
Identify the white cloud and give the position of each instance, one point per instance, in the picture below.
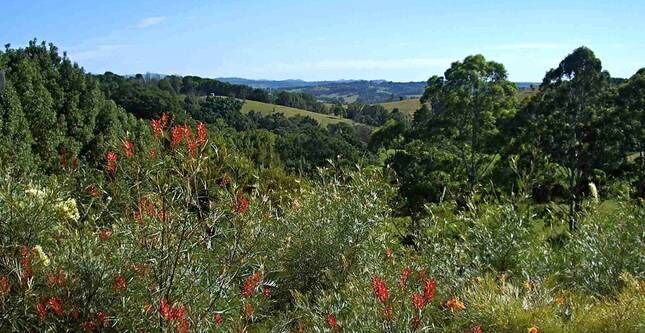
{"points": [[150, 21]]}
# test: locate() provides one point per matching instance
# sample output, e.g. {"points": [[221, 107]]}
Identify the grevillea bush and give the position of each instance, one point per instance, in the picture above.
{"points": [[175, 232]]}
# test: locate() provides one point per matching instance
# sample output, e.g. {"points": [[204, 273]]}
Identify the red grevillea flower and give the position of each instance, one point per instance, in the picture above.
{"points": [[178, 133], [331, 321], [157, 128], [266, 292], [93, 190], [218, 319], [476, 329], [56, 306], [405, 275], [105, 234], [165, 309], [128, 148], [201, 133], [25, 263], [119, 283], [418, 302], [5, 285], [41, 311], [241, 204], [111, 159], [429, 289], [183, 326], [192, 145], [380, 289], [250, 284], [102, 319]]}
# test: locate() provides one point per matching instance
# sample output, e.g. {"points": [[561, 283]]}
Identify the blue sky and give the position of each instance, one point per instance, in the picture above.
{"points": [[401, 40]]}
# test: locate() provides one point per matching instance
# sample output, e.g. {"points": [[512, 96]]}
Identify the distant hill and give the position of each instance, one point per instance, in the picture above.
{"points": [[267, 109], [348, 91]]}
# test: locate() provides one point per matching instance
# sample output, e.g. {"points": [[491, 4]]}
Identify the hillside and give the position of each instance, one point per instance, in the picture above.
{"points": [[266, 109], [407, 106]]}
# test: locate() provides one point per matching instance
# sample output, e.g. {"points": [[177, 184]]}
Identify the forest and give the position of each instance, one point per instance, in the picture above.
{"points": [[138, 204]]}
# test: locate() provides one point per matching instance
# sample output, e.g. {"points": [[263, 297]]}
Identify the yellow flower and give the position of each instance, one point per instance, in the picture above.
{"points": [[42, 256], [69, 209], [36, 193], [534, 329]]}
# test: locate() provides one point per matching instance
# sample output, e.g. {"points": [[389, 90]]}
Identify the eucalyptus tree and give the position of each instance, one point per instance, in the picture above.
{"points": [[567, 114], [465, 106]]}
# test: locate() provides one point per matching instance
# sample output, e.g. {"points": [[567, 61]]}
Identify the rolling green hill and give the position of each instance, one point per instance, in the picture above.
{"points": [[407, 106], [266, 108]]}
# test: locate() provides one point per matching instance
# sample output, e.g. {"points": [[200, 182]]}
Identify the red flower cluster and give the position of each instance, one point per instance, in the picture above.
{"points": [[201, 133], [217, 318], [380, 289], [180, 133], [331, 321], [25, 263], [418, 301], [266, 292], [147, 208], [250, 284], [111, 159], [93, 190], [120, 283], [429, 289], [476, 329], [5, 285], [41, 311], [405, 275], [175, 313], [105, 234], [128, 148], [158, 125], [55, 305], [241, 204]]}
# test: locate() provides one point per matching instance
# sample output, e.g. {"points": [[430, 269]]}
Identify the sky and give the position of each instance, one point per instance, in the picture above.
{"points": [[402, 40]]}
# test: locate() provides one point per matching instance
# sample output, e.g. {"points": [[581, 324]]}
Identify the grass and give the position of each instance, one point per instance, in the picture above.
{"points": [[407, 106], [267, 109]]}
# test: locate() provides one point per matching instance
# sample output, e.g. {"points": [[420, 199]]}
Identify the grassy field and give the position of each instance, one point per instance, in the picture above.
{"points": [[407, 106], [266, 109]]}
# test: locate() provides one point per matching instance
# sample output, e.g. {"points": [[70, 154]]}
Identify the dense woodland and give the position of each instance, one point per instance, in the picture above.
{"points": [[132, 203]]}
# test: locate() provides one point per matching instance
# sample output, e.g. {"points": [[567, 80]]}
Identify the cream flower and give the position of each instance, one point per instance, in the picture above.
{"points": [[42, 256], [69, 209]]}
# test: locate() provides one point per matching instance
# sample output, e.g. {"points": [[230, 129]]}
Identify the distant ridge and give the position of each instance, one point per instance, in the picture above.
{"points": [[347, 91]]}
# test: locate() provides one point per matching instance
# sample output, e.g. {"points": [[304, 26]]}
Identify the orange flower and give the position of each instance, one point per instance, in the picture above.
{"points": [[534, 329], [454, 304], [429, 289], [55, 305], [248, 310], [476, 329], [128, 148]]}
